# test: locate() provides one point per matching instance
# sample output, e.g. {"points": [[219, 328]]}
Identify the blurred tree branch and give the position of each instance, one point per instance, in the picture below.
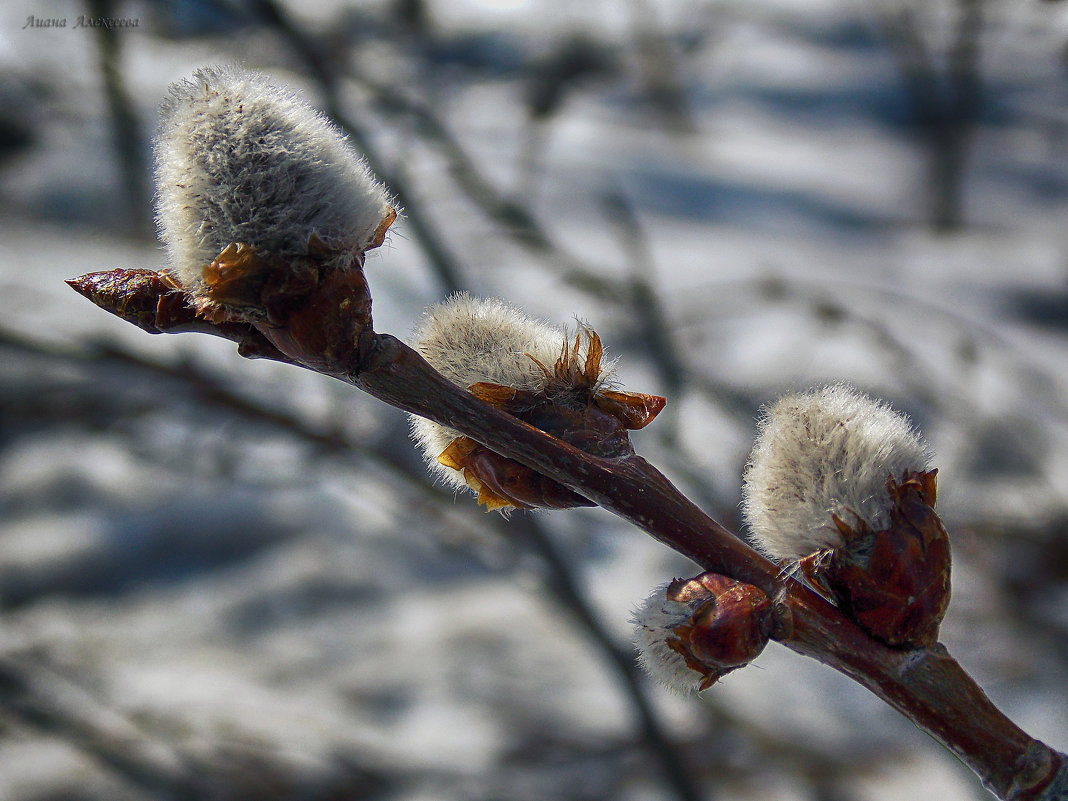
{"points": [[125, 127], [945, 108]]}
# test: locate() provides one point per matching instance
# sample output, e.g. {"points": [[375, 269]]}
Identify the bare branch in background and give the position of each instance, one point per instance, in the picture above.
{"points": [[945, 104]]}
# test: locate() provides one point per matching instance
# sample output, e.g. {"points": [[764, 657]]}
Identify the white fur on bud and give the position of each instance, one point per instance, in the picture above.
{"points": [[239, 159], [825, 452], [468, 340], [654, 623]]}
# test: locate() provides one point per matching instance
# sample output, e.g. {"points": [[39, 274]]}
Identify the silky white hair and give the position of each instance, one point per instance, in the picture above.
{"points": [[239, 159], [468, 340], [654, 623], [820, 453]]}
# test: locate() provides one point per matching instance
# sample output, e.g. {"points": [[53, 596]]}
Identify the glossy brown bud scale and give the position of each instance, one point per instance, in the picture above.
{"points": [[146, 298], [894, 582], [502, 482], [730, 625], [321, 329]]}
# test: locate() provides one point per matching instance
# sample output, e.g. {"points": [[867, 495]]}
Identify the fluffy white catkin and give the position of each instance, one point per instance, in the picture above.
{"points": [[654, 622], [823, 452], [239, 159], [468, 340]]}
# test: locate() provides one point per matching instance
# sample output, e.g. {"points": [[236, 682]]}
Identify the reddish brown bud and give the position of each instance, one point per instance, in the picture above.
{"points": [[894, 582], [308, 307], [730, 624], [313, 317], [151, 300], [155, 303]]}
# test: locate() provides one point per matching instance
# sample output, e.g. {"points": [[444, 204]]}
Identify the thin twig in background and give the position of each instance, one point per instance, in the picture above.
{"points": [[636, 298], [125, 126], [945, 108], [42, 697], [652, 334]]}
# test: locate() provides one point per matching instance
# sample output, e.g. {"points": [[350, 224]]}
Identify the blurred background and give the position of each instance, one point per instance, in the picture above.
{"points": [[223, 579]]}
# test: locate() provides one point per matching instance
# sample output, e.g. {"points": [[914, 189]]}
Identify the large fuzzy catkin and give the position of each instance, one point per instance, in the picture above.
{"points": [[469, 340], [240, 159], [820, 453]]}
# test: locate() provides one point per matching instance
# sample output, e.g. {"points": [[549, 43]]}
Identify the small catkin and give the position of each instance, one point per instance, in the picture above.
{"points": [[654, 623], [239, 159], [468, 340], [820, 453]]}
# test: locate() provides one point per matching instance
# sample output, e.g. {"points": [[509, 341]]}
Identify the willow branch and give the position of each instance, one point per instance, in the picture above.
{"points": [[926, 685]]}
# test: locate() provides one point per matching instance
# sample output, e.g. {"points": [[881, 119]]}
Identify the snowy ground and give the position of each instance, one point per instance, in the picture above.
{"points": [[219, 578]]}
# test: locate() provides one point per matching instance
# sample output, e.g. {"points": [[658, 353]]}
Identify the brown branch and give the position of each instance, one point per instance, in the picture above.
{"points": [[926, 685]]}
